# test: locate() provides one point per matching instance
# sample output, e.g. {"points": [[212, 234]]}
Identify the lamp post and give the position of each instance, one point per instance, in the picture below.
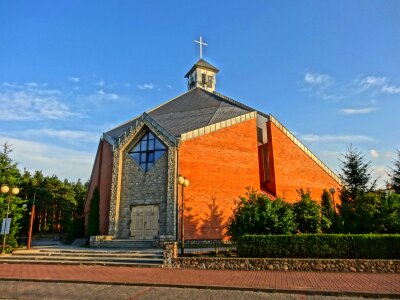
{"points": [[184, 183], [332, 190], [5, 189]]}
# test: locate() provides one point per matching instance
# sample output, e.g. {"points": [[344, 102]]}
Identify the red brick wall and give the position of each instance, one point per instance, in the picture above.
{"points": [[101, 177], [294, 169], [219, 166]]}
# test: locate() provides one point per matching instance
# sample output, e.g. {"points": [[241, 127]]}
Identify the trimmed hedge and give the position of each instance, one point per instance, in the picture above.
{"points": [[362, 246]]}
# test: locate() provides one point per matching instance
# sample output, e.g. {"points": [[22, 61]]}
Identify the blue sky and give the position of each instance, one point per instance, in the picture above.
{"points": [[70, 70]]}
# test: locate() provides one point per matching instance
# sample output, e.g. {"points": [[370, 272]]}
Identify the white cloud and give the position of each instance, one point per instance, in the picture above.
{"points": [[146, 86], [169, 86], [102, 95], [380, 173], [391, 89], [357, 111], [10, 84], [74, 79], [67, 135], [335, 138], [100, 83], [32, 84], [64, 162], [32, 103], [317, 78], [372, 81], [374, 153]]}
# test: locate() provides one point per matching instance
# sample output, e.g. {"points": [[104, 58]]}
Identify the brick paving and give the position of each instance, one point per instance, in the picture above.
{"points": [[57, 290], [301, 282]]}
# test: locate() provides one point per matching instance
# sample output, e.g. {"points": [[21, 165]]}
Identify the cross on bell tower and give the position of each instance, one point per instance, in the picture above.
{"points": [[202, 74], [201, 46]]}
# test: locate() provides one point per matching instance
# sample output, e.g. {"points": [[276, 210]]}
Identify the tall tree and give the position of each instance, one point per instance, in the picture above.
{"points": [[355, 174], [395, 174], [356, 178], [10, 175]]}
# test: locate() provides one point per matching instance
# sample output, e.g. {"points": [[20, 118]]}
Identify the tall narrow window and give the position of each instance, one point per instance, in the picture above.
{"points": [[147, 151], [209, 81], [260, 135], [265, 164], [204, 78]]}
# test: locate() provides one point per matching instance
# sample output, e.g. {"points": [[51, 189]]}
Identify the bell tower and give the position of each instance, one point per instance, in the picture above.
{"points": [[202, 74]]}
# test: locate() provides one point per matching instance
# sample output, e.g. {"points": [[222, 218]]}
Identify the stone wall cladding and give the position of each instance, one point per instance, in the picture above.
{"points": [[279, 264], [131, 186], [96, 240], [140, 188]]}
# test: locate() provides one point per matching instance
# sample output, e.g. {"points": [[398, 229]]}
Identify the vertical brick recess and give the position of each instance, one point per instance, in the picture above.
{"points": [[101, 177], [294, 169], [219, 166]]}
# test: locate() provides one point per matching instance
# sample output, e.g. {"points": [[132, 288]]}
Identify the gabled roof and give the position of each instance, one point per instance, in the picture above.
{"points": [[202, 63], [192, 110]]}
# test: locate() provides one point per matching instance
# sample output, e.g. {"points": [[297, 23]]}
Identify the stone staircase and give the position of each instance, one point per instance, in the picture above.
{"points": [[112, 253], [126, 244]]}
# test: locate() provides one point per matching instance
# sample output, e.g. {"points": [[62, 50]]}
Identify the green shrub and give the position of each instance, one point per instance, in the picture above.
{"points": [[257, 214], [368, 246]]}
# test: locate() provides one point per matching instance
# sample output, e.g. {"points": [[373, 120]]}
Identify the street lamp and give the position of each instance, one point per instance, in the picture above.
{"points": [[332, 190], [184, 183], [5, 189]]}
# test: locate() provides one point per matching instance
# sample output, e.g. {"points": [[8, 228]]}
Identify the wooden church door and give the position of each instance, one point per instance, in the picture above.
{"points": [[144, 222]]}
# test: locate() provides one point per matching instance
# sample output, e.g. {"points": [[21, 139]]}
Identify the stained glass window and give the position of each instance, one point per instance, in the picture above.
{"points": [[147, 151]]}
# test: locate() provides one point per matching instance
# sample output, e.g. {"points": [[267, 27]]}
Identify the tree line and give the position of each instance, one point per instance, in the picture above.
{"points": [[363, 208], [58, 204]]}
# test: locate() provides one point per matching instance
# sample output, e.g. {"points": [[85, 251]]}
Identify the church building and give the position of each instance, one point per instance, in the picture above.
{"points": [[220, 145]]}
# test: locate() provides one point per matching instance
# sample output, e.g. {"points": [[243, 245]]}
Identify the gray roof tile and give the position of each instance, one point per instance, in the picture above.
{"points": [[194, 109]]}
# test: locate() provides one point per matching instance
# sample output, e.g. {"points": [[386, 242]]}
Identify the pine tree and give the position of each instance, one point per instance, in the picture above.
{"points": [[10, 175], [355, 174], [94, 214], [395, 174]]}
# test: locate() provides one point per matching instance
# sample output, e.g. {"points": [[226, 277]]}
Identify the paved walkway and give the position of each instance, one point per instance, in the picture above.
{"points": [[72, 291], [278, 281]]}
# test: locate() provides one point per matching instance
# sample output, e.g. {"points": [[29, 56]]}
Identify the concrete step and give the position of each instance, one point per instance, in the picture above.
{"points": [[153, 257], [125, 245], [87, 256], [83, 262], [92, 254], [150, 260]]}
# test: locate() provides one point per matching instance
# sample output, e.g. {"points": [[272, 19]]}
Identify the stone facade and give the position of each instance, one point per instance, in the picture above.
{"points": [[96, 240], [131, 186], [171, 260]]}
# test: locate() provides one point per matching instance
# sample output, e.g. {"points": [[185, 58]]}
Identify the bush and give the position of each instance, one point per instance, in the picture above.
{"points": [[257, 214], [367, 246], [308, 213]]}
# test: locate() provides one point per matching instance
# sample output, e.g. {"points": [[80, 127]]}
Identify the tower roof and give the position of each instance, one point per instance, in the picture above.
{"points": [[203, 64]]}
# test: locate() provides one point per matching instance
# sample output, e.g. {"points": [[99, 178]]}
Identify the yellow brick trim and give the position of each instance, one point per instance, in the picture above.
{"points": [[217, 126]]}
